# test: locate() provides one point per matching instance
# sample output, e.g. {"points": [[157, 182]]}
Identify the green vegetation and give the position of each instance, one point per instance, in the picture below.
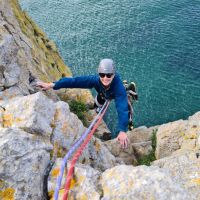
{"points": [[147, 159], [80, 109]]}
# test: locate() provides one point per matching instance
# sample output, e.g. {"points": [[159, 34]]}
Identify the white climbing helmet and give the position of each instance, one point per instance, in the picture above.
{"points": [[106, 66]]}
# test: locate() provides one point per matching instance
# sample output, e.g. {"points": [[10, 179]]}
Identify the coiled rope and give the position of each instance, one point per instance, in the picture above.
{"points": [[73, 148], [80, 150]]}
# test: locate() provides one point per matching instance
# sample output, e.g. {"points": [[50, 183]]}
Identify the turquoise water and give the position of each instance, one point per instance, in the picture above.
{"points": [[155, 43]]}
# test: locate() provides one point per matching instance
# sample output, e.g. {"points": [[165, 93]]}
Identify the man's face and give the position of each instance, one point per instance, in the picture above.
{"points": [[106, 79]]}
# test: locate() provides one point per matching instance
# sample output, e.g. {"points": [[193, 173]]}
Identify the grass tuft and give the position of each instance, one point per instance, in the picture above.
{"points": [[147, 159], [80, 109]]}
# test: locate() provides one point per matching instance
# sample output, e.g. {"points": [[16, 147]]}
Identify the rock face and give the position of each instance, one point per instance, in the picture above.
{"points": [[185, 168], [23, 160], [67, 127], [139, 183], [27, 55], [169, 137], [30, 113], [20, 64], [84, 184], [140, 145], [36, 125], [178, 146], [182, 135], [30, 126]]}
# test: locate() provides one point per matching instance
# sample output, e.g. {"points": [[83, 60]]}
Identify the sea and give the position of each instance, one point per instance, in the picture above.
{"points": [[154, 43]]}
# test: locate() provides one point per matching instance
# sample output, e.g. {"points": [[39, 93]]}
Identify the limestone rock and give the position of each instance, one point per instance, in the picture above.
{"points": [[141, 140], [126, 156], [139, 183], [194, 120], [10, 93], [26, 54], [140, 145], [198, 142], [82, 95], [193, 131], [99, 155], [23, 160], [68, 129], [67, 126], [33, 113], [13, 70], [102, 131], [179, 135], [185, 168], [168, 136], [141, 149], [141, 134], [83, 184], [1, 115], [9, 50]]}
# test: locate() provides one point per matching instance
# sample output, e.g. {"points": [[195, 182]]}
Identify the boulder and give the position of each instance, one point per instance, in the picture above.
{"points": [[185, 168], [179, 135], [139, 145], [139, 183], [32, 113], [84, 183], [168, 137], [82, 95], [100, 157], [67, 126], [23, 160]]}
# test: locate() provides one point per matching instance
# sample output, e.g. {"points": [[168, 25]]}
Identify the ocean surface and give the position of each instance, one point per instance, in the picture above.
{"points": [[155, 43]]}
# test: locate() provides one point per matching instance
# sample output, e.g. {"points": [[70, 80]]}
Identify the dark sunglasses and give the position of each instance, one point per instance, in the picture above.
{"points": [[102, 75]]}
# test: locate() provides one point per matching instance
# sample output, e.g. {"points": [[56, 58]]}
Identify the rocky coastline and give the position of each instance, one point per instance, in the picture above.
{"points": [[35, 125]]}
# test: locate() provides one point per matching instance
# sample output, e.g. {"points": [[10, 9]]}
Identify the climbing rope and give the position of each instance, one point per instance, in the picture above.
{"points": [[80, 150], [72, 150]]}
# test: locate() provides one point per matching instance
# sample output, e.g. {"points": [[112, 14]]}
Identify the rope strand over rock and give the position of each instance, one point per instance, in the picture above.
{"points": [[74, 147], [80, 150]]}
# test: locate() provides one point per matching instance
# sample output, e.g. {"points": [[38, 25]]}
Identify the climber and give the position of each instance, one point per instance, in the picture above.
{"points": [[108, 86]]}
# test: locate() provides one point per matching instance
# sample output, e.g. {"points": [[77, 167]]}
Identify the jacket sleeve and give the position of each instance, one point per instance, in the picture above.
{"points": [[121, 103], [76, 82]]}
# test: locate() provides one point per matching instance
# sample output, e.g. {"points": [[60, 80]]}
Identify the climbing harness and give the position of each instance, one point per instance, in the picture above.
{"points": [[76, 145], [80, 150]]}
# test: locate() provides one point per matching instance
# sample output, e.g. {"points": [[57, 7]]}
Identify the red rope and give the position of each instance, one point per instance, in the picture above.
{"points": [[78, 153]]}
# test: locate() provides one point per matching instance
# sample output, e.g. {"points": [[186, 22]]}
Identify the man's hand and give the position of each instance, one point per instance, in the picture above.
{"points": [[45, 86], [123, 139]]}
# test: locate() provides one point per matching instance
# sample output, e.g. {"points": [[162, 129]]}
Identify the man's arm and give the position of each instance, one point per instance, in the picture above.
{"points": [[70, 82], [76, 82], [121, 103]]}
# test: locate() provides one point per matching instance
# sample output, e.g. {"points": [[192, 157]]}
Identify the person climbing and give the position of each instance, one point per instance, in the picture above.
{"points": [[108, 86]]}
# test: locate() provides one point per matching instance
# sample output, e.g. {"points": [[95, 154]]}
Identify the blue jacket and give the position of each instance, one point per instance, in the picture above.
{"points": [[116, 91]]}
